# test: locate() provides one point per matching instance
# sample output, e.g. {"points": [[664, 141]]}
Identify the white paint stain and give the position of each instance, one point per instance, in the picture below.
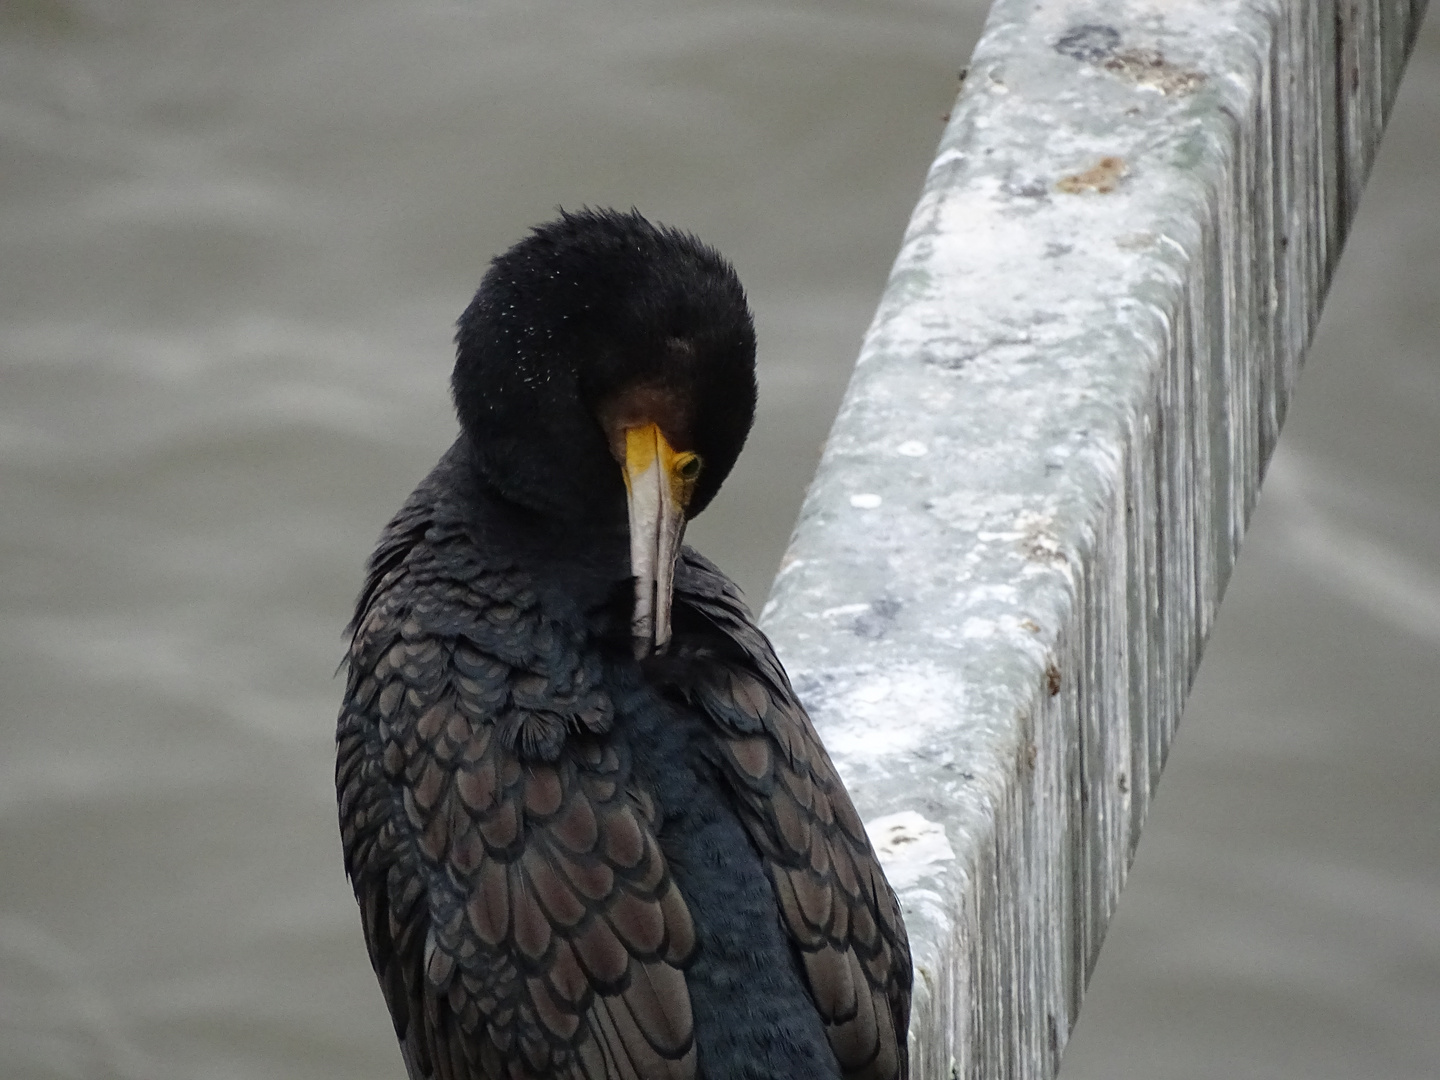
{"points": [[844, 609], [910, 847], [871, 715]]}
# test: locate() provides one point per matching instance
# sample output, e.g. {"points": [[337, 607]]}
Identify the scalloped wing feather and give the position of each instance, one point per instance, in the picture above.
{"points": [[834, 900], [516, 906]]}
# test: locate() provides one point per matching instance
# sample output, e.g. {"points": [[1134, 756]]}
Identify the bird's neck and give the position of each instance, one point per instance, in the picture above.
{"points": [[592, 543]]}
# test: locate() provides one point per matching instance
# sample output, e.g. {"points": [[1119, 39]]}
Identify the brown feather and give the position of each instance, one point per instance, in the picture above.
{"points": [[648, 1061], [832, 983], [814, 895], [476, 786], [531, 927], [793, 915], [857, 1040], [501, 827], [752, 755], [602, 954], [638, 923], [793, 823], [561, 905], [489, 903], [576, 827], [680, 930], [660, 1005], [592, 878], [565, 977], [557, 1014], [620, 838], [543, 792]]}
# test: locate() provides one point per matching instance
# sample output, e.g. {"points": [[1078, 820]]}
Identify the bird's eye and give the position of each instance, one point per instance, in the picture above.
{"points": [[688, 466]]}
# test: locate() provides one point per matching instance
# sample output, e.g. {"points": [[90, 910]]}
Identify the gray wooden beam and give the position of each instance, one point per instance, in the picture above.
{"points": [[1005, 570]]}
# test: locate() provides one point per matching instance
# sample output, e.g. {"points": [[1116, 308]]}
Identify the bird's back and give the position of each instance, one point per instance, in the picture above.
{"points": [[573, 863]]}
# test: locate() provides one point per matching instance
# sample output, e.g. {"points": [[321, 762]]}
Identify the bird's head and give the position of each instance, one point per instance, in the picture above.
{"points": [[605, 372]]}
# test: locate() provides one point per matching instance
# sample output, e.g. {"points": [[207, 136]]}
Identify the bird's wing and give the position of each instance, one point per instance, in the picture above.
{"points": [[834, 900], [518, 911]]}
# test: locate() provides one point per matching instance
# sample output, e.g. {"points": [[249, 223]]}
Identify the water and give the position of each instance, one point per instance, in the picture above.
{"points": [[235, 238]]}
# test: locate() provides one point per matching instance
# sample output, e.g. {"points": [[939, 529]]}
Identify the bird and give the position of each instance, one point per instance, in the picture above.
{"points": [[591, 829]]}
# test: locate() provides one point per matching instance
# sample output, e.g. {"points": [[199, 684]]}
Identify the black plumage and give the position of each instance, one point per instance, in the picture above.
{"points": [[591, 830]]}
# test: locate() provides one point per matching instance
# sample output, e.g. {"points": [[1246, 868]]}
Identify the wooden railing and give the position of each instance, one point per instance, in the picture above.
{"points": [[1005, 570]]}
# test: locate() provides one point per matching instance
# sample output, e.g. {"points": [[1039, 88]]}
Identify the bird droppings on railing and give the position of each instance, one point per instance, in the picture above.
{"points": [[911, 847], [1144, 65], [1102, 177], [1148, 68]]}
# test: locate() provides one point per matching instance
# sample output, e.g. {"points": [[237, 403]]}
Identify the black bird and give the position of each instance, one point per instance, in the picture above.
{"points": [[591, 830]]}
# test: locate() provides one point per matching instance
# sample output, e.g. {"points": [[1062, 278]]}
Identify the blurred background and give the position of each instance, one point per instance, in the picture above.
{"points": [[235, 238]]}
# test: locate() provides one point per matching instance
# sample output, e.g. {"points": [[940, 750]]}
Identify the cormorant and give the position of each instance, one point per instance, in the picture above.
{"points": [[591, 830]]}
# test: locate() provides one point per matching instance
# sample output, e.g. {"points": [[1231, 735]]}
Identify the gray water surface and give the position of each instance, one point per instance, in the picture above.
{"points": [[235, 237]]}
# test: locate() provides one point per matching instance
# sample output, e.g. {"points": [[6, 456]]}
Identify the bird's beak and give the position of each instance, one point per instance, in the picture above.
{"points": [[659, 482]]}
